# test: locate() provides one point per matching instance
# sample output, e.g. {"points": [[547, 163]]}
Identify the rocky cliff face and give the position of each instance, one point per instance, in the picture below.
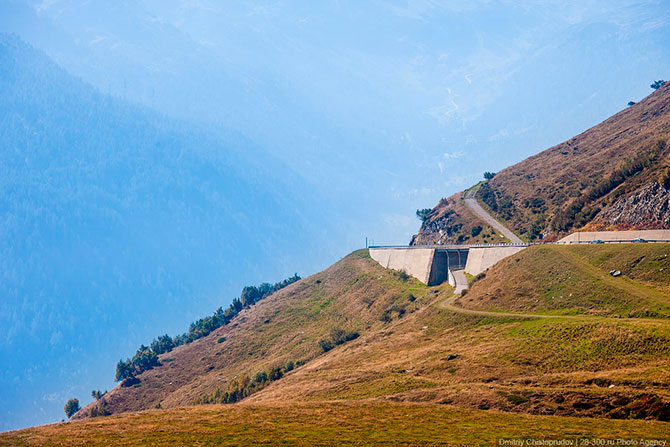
{"points": [[648, 208]]}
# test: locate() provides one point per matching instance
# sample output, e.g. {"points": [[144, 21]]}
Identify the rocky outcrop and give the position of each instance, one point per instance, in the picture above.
{"points": [[649, 208], [438, 230]]}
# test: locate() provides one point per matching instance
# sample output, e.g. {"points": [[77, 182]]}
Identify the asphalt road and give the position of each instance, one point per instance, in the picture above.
{"points": [[472, 203]]}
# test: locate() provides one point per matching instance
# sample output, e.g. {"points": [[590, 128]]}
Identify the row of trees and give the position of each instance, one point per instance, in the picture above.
{"points": [[246, 386], [146, 357]]}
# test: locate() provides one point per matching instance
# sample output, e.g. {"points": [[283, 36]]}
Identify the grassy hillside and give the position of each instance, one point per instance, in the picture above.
{"points": [[614, 175], [353, 295], [308, 424], [575, 280], [411, 349], [418, 371]]}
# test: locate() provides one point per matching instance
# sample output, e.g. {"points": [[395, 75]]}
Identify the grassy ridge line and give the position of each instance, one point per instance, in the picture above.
{"points": [[625, 284], [566, 280], [325, 423]]}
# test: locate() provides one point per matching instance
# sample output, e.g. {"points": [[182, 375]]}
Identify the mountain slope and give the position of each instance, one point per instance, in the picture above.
{"points": [[412, 349], [113, 213], [351, 295], [614, 175]]}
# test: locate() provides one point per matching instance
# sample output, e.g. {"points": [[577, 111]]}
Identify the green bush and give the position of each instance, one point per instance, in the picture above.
{"points": [[474, 231], [275, 373], [387, 316], [423, 214], [402, 275], [261, 377], [71, 407], [326, 345]]}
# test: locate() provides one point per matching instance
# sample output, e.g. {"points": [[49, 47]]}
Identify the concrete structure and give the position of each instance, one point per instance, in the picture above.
{"points": [[429, 265], [583, 237], [434, 265], [417, 262], [481, 258]]}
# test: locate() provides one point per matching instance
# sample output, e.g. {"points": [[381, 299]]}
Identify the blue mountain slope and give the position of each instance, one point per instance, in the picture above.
{"points": [[117, 224]]}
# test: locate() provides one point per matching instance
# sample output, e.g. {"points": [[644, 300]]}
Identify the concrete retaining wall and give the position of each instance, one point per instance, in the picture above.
{"points": [[479, 259], [616, 236], [417, 262]]}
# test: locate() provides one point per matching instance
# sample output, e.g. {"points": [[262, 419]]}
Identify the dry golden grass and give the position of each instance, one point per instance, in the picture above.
{"points": [[324, 423]]}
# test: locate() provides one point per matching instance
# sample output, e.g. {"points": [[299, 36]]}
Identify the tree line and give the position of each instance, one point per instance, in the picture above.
{"points": [[146, 357], [245, 386]]}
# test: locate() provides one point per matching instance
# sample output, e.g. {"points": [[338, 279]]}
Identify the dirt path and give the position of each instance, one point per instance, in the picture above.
{"points": [[462, 284], [472, 203]]}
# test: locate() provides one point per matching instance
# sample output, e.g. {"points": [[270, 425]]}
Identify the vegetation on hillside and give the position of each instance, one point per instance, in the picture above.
{"points": [[451, 222], [146, 357]]}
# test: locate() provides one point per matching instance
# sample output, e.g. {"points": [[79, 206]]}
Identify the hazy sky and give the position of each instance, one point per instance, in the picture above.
{"points": [[382, 107], [406, 101]]}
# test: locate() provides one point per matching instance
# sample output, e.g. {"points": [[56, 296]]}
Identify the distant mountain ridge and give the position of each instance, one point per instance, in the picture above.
{"points": [[111, 212], [612, 176]]}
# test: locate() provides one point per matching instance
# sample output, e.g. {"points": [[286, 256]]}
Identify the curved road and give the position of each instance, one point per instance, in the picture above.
{"points": [[472, 203]]}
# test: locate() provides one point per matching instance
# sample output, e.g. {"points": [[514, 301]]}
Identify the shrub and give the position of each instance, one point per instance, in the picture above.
{"points": [[657, 84], [261, 377], [340, 336], [474, 232], [96, 394], [275, 373], [71, 407], [387, 316], [326, 345], [99, 409], [289, 366], [664, 179], [423, 214], [489, 175], [402, 275], [221, 339]]}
